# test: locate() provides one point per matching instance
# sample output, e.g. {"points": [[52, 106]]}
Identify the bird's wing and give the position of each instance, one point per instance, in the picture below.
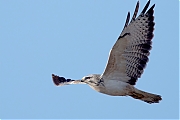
{"points": [[129, 55], [60, 81]]}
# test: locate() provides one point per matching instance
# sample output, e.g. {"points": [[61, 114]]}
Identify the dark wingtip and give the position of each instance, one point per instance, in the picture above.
{"points": [[145, 8], [127, 20], [153, 6], [55, 79], [135, 11], [151, 9]]}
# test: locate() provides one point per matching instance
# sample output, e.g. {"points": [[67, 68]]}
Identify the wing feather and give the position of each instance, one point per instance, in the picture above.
{"points": [[135, 12], [129, 55], [127, 20]]}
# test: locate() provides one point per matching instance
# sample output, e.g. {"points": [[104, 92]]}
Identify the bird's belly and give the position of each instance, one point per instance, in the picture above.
{"points": [[116, 88]]}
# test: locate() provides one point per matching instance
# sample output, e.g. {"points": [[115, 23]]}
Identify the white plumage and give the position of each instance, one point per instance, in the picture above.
{"points": [[127, 60]]}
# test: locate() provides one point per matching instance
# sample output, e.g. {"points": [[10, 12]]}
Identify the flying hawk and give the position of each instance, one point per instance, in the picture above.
{"points": [[127, 60]]}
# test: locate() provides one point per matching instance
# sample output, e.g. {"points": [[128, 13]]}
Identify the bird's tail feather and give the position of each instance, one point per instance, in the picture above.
{"points": [[145, 96]]}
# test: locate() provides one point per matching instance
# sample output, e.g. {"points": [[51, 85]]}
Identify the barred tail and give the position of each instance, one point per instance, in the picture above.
{"points": [[145, 96]]}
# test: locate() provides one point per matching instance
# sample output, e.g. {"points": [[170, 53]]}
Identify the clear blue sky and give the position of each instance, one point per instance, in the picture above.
{"points": [[72, 38]]}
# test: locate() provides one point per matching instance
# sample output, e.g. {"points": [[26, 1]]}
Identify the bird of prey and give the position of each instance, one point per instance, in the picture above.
{"points": [[127, 60]]}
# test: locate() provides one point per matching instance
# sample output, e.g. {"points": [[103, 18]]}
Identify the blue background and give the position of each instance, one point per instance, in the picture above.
{"points": [[73, 39]]}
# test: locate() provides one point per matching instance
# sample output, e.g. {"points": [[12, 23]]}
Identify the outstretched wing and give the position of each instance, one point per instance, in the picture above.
{"points": [[129, 55], [60, 81]]}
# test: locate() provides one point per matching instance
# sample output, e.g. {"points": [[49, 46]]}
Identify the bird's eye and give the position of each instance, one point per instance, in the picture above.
{"points": [[87, 78]]}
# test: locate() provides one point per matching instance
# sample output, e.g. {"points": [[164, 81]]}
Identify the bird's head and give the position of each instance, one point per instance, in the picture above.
{"points": [[91, 79]]}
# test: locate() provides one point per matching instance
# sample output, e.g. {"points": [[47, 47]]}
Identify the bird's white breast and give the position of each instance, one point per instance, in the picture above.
{"points": [[114, 88]]}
